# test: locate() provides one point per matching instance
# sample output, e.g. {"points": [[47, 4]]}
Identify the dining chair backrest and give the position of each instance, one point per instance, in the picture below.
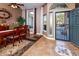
{"points": [[17, 31]]}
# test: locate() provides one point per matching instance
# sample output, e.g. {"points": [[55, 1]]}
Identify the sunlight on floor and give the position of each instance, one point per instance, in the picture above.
{"points": [[61, 49]]}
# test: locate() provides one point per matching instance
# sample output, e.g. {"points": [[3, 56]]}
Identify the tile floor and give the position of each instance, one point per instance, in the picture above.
{"points": [[46, 47]]}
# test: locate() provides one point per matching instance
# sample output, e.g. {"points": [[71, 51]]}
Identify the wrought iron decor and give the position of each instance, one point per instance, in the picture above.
{"points": [[58, 5], [4, 14]]}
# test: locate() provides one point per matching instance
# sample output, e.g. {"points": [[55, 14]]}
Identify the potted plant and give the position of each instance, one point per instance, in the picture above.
{"points": [[21, 21]]}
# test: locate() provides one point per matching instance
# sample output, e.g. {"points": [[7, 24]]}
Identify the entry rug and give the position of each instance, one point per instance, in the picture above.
{"points": [[18, 48], [11, 50], [62, 51]]}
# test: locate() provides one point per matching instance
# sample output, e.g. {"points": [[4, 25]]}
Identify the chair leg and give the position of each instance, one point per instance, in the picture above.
{"points": [[5, 43], [25, 36], [19, 39], [13, 42]]}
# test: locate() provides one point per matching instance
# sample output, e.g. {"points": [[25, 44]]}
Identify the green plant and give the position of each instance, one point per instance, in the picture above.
{"points": [[60, 18], [21, 21]]}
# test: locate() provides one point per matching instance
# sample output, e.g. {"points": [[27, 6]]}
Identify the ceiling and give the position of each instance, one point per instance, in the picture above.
{"points": [[32, 5]]}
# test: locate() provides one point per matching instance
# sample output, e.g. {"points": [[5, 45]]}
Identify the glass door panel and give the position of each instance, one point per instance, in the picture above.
{"points": [[31, 20], [62, 25], [44, 23]]}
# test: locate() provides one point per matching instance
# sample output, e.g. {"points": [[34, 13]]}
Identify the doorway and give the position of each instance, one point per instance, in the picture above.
{"points": [[62, 25], [45, 24], [30, 19]]}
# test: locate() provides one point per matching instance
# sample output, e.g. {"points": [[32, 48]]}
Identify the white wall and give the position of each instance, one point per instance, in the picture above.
{"points": [[54, 11], [53, 20], [39, 20], [23, 13], [48, 22]]}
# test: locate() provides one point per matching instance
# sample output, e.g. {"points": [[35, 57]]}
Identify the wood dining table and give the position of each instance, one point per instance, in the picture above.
{"points": [[11, 34]]}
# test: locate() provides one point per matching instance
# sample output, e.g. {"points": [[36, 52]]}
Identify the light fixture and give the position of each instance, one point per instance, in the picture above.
{"points": [[31, 12], [14, 6]]}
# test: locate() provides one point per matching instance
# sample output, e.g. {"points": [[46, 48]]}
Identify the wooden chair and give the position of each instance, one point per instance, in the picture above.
{"points": [[23, 32], [28, 30], [15, 36], [1, 41], [10, 37], [3, 37]]}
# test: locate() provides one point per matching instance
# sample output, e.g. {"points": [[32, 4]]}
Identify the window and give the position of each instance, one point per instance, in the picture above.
{"points": [[50, 23], [44, 23], [30, 20], [60, 18]]}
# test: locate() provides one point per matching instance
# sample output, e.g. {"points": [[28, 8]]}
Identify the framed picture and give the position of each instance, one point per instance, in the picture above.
{"points": [[4, 14]]}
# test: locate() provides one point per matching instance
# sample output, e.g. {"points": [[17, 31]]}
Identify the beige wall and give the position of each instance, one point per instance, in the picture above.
{"points": [[45, 9], [15, 12], [39, 20], [71, 5]]}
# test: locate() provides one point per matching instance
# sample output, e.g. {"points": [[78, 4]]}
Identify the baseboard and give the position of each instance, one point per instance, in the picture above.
{"points": [[49, 37], [39, 34], [31, 32], [46, 36]]}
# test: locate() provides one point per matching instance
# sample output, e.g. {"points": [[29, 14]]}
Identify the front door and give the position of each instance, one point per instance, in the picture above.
{"points": [[62, 26], [74, 26]]}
